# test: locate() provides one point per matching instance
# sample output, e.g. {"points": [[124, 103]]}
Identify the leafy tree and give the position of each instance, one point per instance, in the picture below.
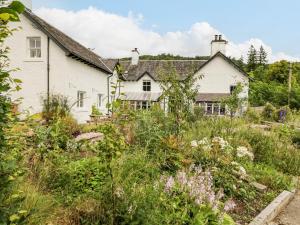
{"points": [[179, 93], [252, 59], [262, 56]]}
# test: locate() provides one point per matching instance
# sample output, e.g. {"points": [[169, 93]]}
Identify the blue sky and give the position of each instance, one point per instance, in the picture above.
{"points": [[275, 22]]}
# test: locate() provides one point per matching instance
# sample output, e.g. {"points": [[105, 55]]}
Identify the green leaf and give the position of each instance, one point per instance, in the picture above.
{"points": [[4, 16], [17, 6], [14, 218], [17, 81]]}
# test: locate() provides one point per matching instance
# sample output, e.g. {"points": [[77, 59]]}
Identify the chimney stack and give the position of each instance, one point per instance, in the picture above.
{"points": [[218, 45], [135, 57]]}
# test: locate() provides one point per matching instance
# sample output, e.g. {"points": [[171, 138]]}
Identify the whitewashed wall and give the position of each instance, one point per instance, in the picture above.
{"points": [[137, 86], [219, 75], [67, 76]]}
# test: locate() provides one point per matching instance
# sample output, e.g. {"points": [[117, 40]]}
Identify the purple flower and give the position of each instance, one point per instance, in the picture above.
{"points": [[229, 205], [169, 185]]}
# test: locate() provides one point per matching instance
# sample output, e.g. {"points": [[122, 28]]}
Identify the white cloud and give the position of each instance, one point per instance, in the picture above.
{"points": [[113, 35]]}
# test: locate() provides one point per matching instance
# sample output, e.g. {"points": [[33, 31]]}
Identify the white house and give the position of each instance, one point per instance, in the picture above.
{"points": [[50, 62], [220, 75]]}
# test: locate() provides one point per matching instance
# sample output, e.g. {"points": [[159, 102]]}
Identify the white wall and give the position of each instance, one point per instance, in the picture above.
{"points": [[137, 86], [67, 76], [219, 75]]}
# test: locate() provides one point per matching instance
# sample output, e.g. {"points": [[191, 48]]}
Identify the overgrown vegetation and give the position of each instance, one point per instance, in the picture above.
{"points": [[147, 167]]}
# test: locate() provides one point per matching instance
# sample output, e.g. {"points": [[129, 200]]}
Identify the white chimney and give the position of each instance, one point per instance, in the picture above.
{"points": [[135, 57], [218, 45]]}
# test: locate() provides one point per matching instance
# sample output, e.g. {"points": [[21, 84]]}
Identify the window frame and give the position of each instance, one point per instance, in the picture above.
{"points": [[80, 99], [99, 100], [34, 52], [147, 85]]}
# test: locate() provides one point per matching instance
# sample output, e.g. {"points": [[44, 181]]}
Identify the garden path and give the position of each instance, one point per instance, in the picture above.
{"points": [[291, 214]]}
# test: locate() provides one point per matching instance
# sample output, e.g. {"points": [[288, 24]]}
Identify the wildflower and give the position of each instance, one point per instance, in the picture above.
{"points": [[204, 141], [169, 185], [229, 205], [194, 144], [243, 152], [119, 192], [182, 179]]}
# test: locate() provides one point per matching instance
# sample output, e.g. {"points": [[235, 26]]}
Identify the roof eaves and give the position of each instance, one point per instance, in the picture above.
{"points": [[28, 15]]}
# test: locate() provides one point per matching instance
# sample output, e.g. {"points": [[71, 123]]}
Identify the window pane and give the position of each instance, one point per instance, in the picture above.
{"points": [[99, 100], [216, 109], [209, 108], [38, 43]]}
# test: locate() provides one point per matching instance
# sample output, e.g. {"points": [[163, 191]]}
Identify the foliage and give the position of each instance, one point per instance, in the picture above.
{"points": [[178, 93], [268, 112], [235, 102], [8, 165], [56, 106], [96, 111]]}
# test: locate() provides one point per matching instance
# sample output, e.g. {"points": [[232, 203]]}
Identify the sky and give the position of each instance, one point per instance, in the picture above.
{"points": [[113, 27]]}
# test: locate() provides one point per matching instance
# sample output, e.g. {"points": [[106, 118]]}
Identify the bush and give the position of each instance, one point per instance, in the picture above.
{"points": [[252, 116], [268, 112], [57, 106], [75, 178]]}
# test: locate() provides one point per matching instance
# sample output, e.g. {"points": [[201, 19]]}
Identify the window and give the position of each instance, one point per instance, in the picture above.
{"points": [[80, 99], [34, 44], [232, 88], [99, 100], [209, 108], [216, 108], [146, 85]]}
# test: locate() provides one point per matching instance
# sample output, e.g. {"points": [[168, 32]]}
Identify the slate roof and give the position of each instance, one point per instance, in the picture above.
{"points": [[70, 46], [211, 97], [153, 67]]}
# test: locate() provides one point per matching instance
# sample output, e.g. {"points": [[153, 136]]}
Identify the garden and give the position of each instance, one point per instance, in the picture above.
{"points": [[144, 170]]}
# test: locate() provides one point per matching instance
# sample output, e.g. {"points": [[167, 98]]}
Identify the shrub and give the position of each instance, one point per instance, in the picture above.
{"points": [[75, 178], [95, 111], [269, 112], [56, 106], [252, 116]]}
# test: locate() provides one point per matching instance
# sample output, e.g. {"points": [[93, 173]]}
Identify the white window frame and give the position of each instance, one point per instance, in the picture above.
{"points": [[147, 87], [99, 100], [34, 52], [80, 99]]}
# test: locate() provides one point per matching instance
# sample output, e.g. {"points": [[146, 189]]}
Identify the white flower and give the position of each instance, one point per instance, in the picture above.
{"points": [[239, 170], [194, 144], [204, 141], [243, 152]]}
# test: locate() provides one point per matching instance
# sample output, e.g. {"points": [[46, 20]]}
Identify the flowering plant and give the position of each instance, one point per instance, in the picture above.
{"points": [[192, 194]]}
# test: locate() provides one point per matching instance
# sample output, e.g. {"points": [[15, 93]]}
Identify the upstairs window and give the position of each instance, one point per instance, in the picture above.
{"points": [[80, 99], [34, 44], [146, 85], [232, 88]]}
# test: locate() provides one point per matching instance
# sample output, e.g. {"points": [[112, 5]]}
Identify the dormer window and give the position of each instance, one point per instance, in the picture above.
{"points": [[147, 85], [34, 47]]}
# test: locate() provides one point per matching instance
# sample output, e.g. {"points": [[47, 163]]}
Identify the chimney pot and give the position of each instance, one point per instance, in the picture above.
{"points": [[218, 45]]}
